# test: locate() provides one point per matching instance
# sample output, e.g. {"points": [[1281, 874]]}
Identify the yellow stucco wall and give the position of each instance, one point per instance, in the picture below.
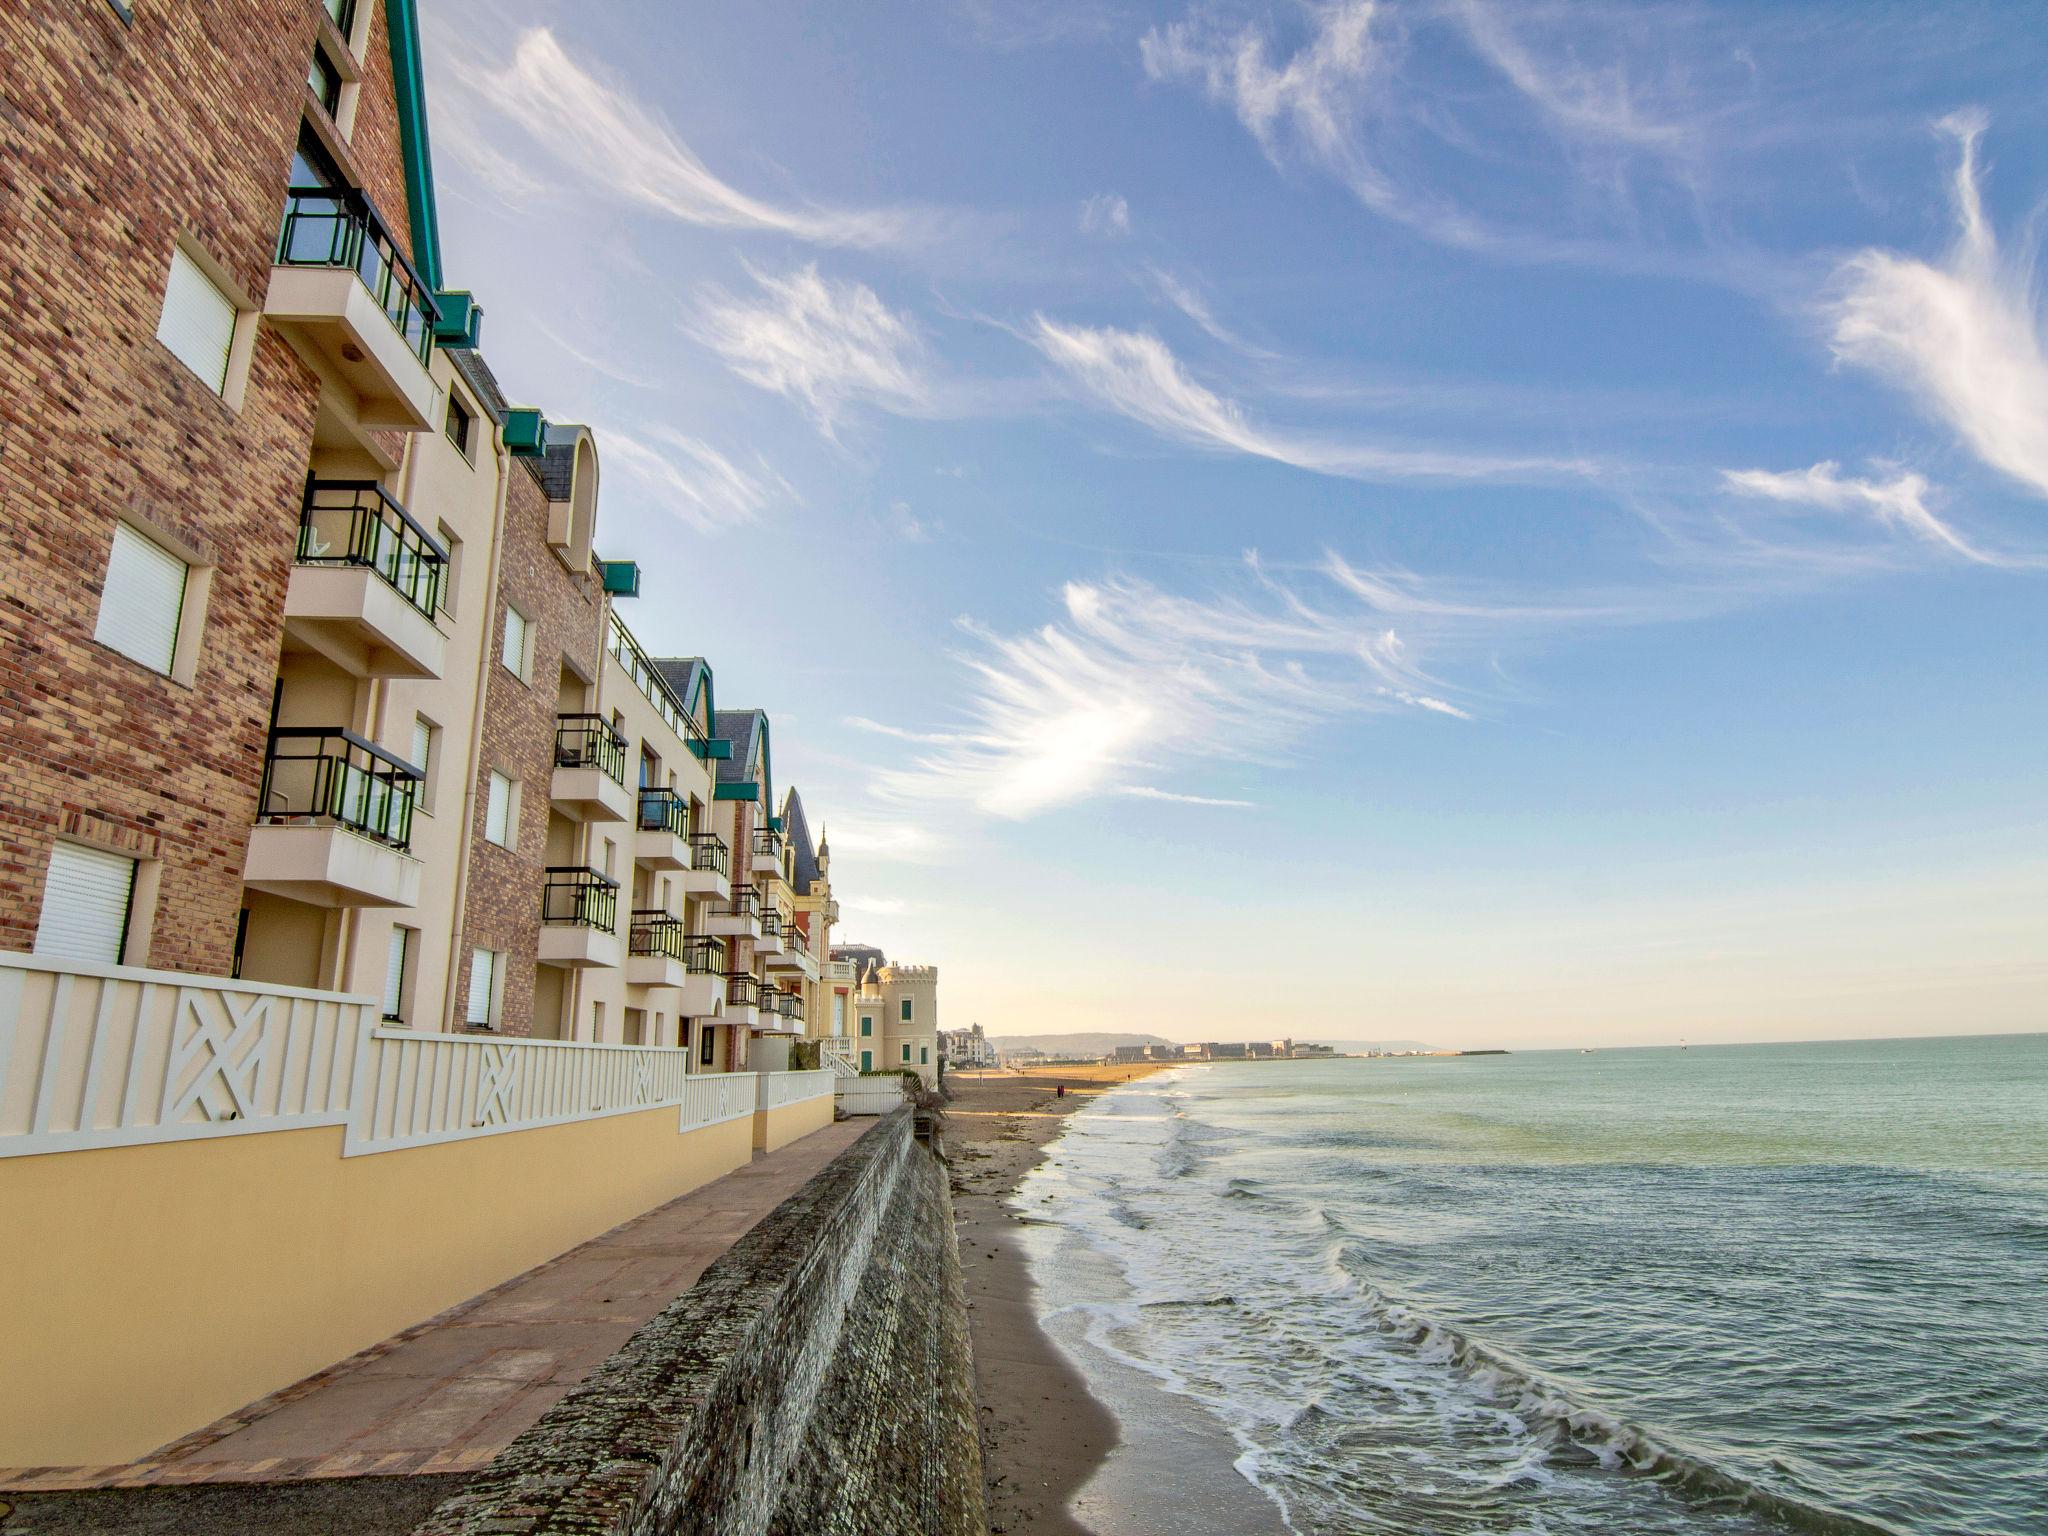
{"points": [[148, 1290], [779, 1127]]}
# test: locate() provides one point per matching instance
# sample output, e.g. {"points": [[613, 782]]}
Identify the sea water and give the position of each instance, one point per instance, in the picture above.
{"points": [[1725, 1290]]}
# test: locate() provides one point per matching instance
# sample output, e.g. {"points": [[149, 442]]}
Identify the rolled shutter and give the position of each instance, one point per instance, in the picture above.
{"points": [[143, 599], [198, 323], [394, 974], [422, 742], [514, 654], [86, 897], [483, 969], [498, 811]]}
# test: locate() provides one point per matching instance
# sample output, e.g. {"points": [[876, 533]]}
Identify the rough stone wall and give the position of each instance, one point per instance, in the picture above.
{"points": [[116, 140], [565, 614], [712, 1419]]}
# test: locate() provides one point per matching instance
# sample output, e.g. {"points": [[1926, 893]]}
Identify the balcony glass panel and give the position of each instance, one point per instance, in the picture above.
{"points": [[355, 522], [581, 897], [317, 777], [337, 227], [588, 741]]}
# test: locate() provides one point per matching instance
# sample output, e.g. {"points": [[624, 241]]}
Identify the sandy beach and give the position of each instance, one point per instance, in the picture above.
{"points": [[1044, 1435]]}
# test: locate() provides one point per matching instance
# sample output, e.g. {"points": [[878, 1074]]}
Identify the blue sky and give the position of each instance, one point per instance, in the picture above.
{"points": [[1504, 525]]}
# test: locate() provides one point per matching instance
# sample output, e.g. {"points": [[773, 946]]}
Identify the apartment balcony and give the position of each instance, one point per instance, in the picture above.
{"points": [[738, 918], [660, 954], [334, 822], [781, 1012], [579, 914], [342, 290], [709, 873], [590, 770], [794, 954], [661, 832], [742, 1000], [770, 945], [767, 859], [366, 583]]}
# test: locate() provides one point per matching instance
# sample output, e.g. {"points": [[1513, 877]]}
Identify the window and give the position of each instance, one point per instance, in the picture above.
{"points": [[838, 1013], [143, 600], [906, 1051], [498, 810], [597, 1021], [867, 1025], [198, 322], [867, 1061], [453, 578], [705, 1044], [924, 1055], [87, 894], [324, 81], [459, 424], [906, 1010], [483, 988], [426, 737], [611, 850], [513, 652], [394, 974]]}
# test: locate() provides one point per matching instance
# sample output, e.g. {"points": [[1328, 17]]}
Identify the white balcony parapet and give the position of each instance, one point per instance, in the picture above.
{"points": [[780, 1089], [712, 1098], [108, 1056]]}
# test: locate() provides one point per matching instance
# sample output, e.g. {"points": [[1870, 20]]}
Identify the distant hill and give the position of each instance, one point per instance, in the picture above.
{"points": [[1085, 1043]]}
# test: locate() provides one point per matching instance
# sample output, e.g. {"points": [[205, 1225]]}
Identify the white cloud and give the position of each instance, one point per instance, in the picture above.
{"points": [[1130, 681], [1900, 502], [690, 478], [1963, 337], [820, 342], [1592, 101], [1106, 213], [608, 139], [1137, 375], [1147, 792], [892, 842]]}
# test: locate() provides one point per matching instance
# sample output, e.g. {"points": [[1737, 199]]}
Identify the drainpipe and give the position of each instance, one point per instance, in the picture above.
{"points": [[476, 740]]}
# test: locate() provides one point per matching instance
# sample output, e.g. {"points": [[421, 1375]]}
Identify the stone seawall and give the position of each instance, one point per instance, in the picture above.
{"points": [[816, 1379]]}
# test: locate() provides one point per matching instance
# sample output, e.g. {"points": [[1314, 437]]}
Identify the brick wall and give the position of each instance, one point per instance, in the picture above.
{"points": [[115, 140], [566, 616]]}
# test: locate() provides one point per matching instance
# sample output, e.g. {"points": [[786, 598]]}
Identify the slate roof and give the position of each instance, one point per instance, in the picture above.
{"points": [[683, 674], [741, 727], [556, 468], [796, 833]]}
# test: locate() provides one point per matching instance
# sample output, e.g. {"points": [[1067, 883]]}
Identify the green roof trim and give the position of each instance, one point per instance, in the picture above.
{"points": [[526, 431], [719, 747], [409, 87], [622, 579], [747, 791]]}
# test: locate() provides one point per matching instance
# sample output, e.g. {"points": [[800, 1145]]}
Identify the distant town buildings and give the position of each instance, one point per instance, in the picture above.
{"points": [[967, 1047], [895, 1013]]}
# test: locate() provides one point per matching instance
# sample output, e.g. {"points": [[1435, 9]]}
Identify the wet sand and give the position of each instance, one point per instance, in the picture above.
{"points": [[1044, 1436]]}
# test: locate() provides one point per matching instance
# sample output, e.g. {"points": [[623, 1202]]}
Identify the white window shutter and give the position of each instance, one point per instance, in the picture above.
{"points": [[394, 973], [483, 976], [514, 654], [143, 599], [86, 896], [498, 811], [198, 323]]}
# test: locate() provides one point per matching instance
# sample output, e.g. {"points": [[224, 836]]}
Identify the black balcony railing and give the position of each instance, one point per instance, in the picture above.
{"points": [[708, 851], [588, 741], [674, 711], [355, 522], [663, 810], [771, 924], [656, 932], [744, 902], [742, 991], [580, 897], [336, 778], [338, 227], [793, 938], [789, 1005], [768, 844], [704, 955]]}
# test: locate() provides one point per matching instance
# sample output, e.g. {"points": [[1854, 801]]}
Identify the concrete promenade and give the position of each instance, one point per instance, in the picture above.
{"points": [[444, 1397]]}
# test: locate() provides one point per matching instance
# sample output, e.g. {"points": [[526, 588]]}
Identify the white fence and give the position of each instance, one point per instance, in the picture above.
{"points": [[782, 1088], [715, 1097], [104, 1056], [870, 1095], [420, 1088]]}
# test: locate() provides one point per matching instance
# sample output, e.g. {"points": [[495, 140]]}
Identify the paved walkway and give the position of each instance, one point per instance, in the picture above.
{"points": [[448, 1395]]}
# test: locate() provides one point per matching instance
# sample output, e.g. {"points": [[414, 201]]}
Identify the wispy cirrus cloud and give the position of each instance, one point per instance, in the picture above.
{"points": [[1899, 502], [822, 343], [1962, 336], [1106, 213], [608, 139], [1131, 681], [1136, 375], [691, 479], [1147, 792]]}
